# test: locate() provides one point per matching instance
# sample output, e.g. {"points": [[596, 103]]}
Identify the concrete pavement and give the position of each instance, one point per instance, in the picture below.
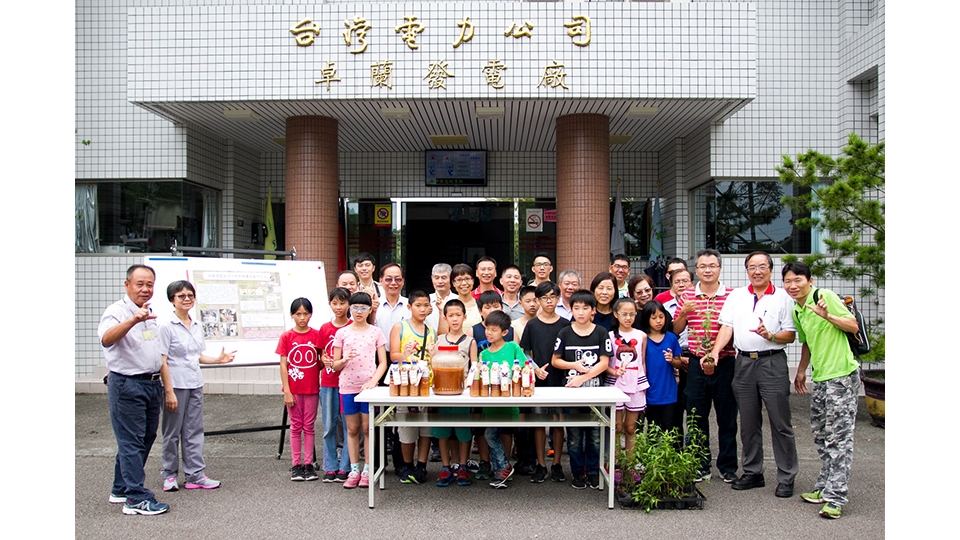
{"points": [[258, 500]]}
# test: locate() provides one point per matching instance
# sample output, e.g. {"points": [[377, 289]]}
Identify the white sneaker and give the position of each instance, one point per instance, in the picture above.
{"points": [[203, 483], [170, 484], [117, 499]]}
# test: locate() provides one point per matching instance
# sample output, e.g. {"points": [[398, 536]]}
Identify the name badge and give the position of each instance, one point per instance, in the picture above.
{"points": [[148, 335]]}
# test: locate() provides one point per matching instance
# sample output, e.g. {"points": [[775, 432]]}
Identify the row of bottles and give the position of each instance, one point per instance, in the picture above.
{"points": [[498, 380], [409, 379]]}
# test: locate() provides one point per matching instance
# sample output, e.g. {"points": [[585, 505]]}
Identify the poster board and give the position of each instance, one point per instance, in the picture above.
{"points": [[243, 304]]}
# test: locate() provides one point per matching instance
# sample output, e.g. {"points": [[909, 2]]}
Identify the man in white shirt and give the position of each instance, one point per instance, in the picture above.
{"points": [[393, 306], [440, 275], [759, 317], [569, 284]]}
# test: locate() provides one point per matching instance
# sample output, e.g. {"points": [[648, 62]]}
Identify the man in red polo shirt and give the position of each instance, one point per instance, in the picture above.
{"points": [[486, 273], [672, 266], [698, 310]]}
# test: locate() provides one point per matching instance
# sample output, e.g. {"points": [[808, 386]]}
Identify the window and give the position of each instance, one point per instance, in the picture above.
{"points": [[741, 217], [146, 216]]}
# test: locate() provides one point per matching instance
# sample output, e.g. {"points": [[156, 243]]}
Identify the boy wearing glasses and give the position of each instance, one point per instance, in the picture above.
{"points": [[542, 267], [538, 339], [620, 268]]}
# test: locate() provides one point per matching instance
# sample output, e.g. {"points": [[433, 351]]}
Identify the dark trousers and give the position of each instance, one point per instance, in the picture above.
{"points": [[135, 415], [765, 381], [716, 390]]}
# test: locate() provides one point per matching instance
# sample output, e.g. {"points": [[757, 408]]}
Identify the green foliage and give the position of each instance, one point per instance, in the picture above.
{"points": [[848, 195], [666, 466]]}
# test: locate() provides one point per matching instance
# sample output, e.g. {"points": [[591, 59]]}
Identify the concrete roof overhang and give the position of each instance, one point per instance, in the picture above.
{"points": [[526, 125]]}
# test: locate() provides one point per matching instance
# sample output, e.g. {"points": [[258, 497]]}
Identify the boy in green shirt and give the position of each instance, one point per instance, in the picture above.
{"points": [[500, 440], [821, 327]]}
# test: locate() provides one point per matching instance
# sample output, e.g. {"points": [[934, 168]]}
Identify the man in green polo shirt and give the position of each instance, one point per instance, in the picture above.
{"points": [[821, 324]]}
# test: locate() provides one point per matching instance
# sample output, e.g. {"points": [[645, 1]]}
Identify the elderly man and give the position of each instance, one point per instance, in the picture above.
{"points": [[759, 317], [129, 335], [620, 268], [440, 276], [698, 311], [569, 284]]}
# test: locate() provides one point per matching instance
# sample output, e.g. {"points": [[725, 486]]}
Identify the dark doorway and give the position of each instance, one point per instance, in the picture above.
{"points": [[454, 232]]}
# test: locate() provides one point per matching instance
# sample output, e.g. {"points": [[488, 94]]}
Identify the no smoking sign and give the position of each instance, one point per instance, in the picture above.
{"points": [[534, 220]]}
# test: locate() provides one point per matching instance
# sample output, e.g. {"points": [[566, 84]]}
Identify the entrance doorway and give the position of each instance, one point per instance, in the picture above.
{"points": [[453, 232]]}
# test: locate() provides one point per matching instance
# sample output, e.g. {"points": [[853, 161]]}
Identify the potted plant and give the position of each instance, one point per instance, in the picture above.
{"points": [[661, 469], [844, 198]]}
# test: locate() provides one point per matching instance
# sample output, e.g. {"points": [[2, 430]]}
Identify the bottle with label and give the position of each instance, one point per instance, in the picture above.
{"points": [[515, 378], [424, 379], [526, 382], [504, 380], [404, 379], [484, 379], [393, 378], [474, 378], [495, 380]]}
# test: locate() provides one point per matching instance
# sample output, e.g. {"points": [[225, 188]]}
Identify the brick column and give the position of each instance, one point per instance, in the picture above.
{"points": [[312, 184], [583, 194]]}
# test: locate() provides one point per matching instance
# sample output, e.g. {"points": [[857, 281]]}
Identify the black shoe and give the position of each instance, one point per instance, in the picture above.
{"points": [[539, 475], [406, 475], [525, 469], [420, 474], [579, 481], [729, 477], [309, 472], [784, 491], [435, 455], [296, 473], [593, 481], [749, 481], [556, 473]]}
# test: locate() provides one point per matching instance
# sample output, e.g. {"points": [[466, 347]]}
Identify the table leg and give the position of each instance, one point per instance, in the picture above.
{"points": [[371, 427], [611, 412]]}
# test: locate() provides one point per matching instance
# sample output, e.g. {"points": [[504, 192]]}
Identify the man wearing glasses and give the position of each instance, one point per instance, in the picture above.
{"points": [[698, 311], [542, 268], [393, 306], [620, 268], [759, 318]]}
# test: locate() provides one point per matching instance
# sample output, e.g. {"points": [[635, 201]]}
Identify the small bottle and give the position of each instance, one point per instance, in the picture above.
{"points": [[504, 380], [424, 379], [484, 379], [404, 380], [474, 377], [526, 382], [495, 380], [393, 377], [515, 376]]}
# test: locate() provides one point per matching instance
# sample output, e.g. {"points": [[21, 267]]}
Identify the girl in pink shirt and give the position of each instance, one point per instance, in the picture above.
{"points": [[360, 355]]}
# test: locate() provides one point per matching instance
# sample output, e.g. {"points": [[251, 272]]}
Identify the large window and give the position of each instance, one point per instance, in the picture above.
{"points": [[121, 217], [741, 217]]}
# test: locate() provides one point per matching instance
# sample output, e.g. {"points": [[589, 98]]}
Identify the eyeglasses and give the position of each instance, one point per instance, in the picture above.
{"points": [[677, 281], [392, 280], [548, 298], [185, 296], [761, 267], [621, 267], [461, 281], [630, 315], [541, 265], [708, 267], [359, 309]]}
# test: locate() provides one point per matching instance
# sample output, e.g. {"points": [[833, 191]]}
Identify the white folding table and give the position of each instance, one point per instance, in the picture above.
{"points": [[601, 402]]}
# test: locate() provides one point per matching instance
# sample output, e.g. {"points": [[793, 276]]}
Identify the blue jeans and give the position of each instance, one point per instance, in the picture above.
{"points": [[498, 455], [583, 446], [135, 415], [332, 419]]}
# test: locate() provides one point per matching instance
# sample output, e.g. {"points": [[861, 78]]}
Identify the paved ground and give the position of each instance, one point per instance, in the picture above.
{"points": [[258, 500]]}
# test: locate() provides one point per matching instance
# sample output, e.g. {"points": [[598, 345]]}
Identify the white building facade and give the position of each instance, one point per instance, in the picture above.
{"points": [[189, 112]]}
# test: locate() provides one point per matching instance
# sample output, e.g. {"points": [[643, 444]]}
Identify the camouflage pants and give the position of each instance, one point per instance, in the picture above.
{"points": [[833, 415]]}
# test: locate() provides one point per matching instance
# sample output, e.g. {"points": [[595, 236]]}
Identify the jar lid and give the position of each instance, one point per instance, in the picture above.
{"points": [[448, 348]]}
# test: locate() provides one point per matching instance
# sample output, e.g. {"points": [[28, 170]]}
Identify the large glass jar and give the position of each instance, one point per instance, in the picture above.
{"points": [[448, 370]]}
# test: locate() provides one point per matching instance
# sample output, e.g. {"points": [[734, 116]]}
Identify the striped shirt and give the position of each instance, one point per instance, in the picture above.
{"points": [[703, 323]]}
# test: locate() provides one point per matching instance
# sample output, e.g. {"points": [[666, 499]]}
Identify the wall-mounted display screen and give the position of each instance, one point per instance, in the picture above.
{"points": [[456, 167]]}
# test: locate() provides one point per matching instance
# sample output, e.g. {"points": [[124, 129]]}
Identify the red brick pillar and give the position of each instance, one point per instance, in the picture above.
{"points": [[583, 194], [312, 184]]}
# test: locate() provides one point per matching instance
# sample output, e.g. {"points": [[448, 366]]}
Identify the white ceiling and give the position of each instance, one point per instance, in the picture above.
{"points": [[527, 125]]}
